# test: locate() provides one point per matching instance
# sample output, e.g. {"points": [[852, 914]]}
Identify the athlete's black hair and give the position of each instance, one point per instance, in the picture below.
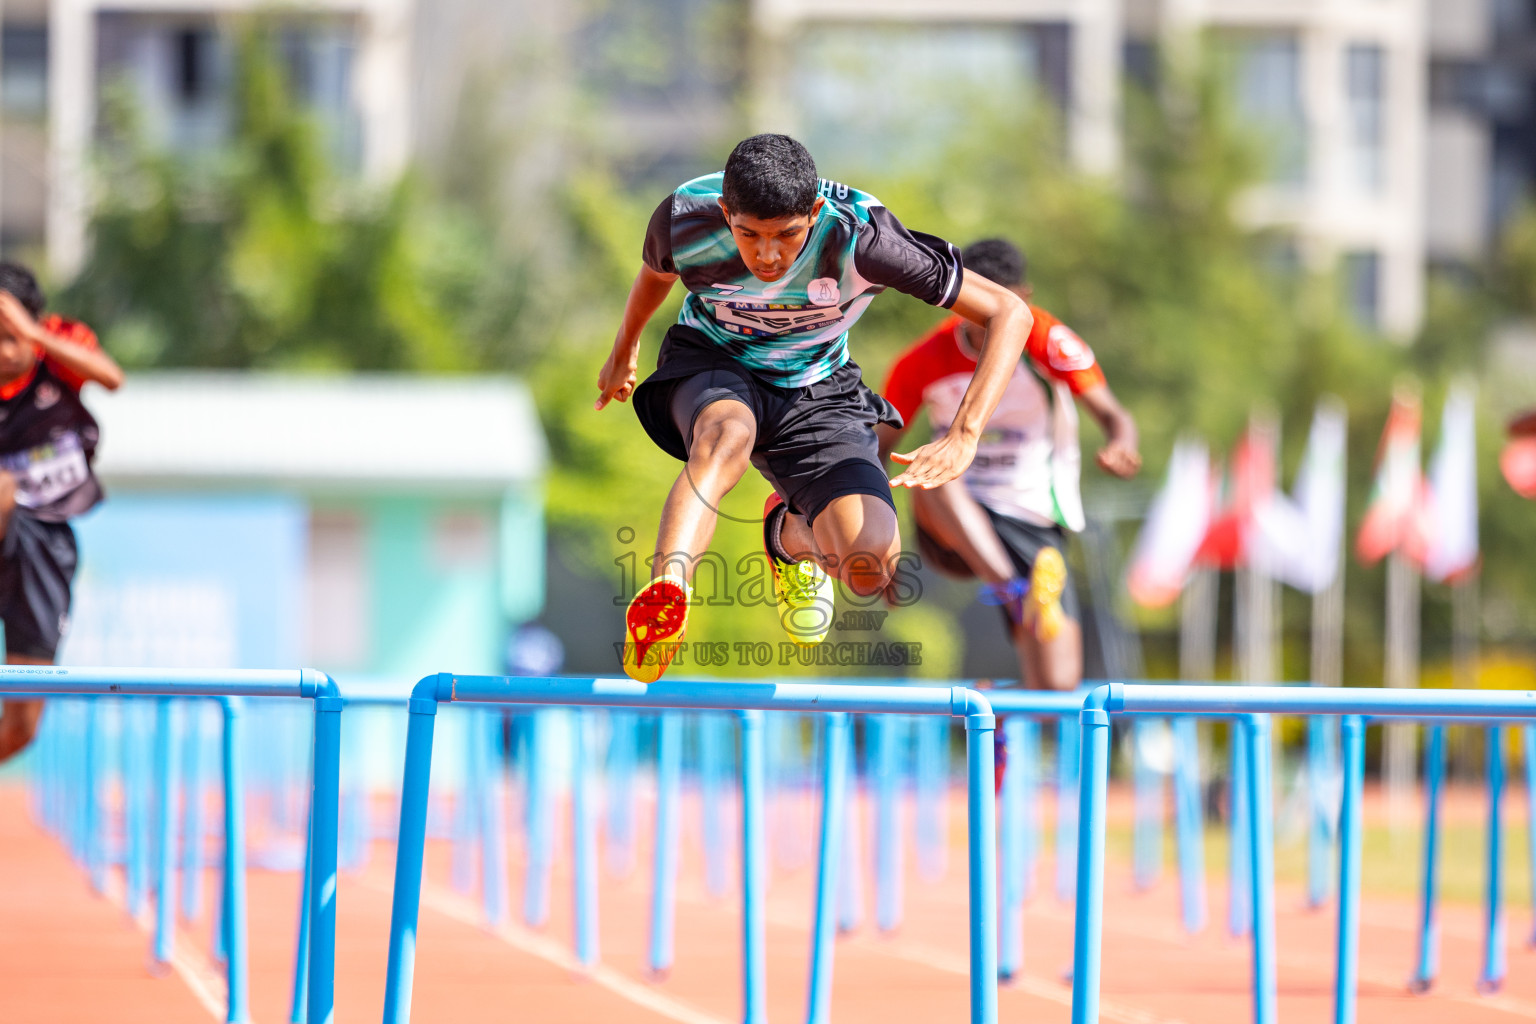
{"points": [[996, 259], [768, 177], [18, 280]]}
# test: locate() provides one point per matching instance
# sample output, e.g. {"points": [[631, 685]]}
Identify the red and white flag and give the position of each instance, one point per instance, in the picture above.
{"points": [[1174, 529], [1452, 548], [1394, 518]]}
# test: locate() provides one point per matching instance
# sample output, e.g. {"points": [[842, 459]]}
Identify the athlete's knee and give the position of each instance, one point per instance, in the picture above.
{"points": [[867, 561], [723, 440], [7, 491]]}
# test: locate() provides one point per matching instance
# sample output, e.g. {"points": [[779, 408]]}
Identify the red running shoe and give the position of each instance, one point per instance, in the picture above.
{"points": [[654, 626]]}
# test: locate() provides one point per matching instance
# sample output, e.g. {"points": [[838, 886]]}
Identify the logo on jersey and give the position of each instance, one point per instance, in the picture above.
{"points": [[823, 292], [47, 396], [729, 289], [759, 319], [1066, 351]]}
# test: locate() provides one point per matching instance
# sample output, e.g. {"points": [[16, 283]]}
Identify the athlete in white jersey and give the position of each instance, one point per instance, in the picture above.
{"points": [[1005, 521]]}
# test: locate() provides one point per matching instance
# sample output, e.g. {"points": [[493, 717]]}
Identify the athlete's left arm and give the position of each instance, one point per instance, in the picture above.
{"points": [[1121, 453], [86, 362], [1007, 320]]}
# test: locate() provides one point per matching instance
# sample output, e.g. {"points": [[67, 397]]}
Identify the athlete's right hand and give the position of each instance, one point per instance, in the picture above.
{"points": [[616, 379]]}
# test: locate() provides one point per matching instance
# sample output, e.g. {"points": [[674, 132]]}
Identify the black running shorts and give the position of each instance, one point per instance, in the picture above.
{"points": [[814, 443], [37, 566], [1023, 541]]}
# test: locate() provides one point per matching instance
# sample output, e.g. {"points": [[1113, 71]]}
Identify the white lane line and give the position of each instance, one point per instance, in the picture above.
{"points": [[198, 973], [465, 911]]}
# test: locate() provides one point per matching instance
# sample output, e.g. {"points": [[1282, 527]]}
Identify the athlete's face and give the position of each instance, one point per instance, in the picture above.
{"points": [[16, 356], [768, 247]]}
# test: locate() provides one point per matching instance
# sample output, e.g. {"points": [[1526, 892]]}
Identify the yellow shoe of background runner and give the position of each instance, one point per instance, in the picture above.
{"points": [[803, 592], [1042, 605], [654, 626]]}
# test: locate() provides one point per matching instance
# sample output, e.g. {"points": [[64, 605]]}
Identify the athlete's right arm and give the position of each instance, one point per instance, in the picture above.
{"points": [[617, 377]]}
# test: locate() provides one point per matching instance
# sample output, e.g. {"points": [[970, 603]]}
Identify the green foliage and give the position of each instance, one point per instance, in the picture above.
{"points": [[260, 255]]}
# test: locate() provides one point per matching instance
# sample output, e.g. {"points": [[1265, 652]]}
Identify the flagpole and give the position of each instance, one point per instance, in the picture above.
{"points": [[1402, 671]]}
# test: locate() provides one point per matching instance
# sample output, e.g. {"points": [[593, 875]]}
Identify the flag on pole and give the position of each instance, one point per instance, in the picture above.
{"points": [[1394, 518], [1228, 540], [1174, 529], [1452, 548], [1302, 537]]}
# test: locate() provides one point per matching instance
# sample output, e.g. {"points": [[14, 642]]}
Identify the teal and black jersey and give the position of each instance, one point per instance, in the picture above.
{"points": [[793, 332]]}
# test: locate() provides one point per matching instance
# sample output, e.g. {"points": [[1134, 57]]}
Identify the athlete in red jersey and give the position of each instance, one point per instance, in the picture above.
{"points": [[47, 443], [1005, 521]]}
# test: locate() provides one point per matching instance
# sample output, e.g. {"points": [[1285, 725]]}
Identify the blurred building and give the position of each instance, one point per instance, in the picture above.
{"points": [[375, 527], [1402, 132]]}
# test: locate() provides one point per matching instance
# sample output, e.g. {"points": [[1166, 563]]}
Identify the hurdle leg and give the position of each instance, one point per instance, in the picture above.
{"points": [[1189, 822], [1068, 778], [1239, 906], [669, 755], [1261, 863], [405, 905], [754, 967], [1530, 821], [1088, 926], [714, 745], [1492, 978], [95, 840], [493, 819], [833, 820], [1320, 768], [1346, 974], [981, 822], [584, 839], [233, 921], [536, 870], [888, 859], [1010, 959], [1147, 843], [1428, 966], [166, 772], [192, 841]]}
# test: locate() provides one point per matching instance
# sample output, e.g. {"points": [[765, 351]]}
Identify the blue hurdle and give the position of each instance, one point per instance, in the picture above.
{"points": [[749, 697], [1251, 707], [78, 774]]}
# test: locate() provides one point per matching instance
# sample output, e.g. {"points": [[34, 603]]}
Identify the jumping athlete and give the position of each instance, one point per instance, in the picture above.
{"points": [[778, 264], [47, 443], [1005, 521]]}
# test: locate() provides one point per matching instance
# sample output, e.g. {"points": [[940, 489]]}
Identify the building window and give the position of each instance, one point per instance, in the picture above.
{"points": [[873, 95], [1266, 68], [24, 71], [1365, 88], [1362, 286]]}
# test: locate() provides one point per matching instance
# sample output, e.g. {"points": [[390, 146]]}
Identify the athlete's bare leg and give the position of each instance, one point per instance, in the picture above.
{"points": [[855, 539], [1053, 665], [958, 522], [20, 718], [719, 454]]}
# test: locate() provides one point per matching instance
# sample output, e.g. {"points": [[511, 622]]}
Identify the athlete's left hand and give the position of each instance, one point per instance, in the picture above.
{"points": [[934, 464], [1120, 459]]}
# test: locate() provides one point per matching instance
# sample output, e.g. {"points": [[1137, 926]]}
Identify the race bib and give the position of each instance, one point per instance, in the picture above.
{"points": [[48, 472]]}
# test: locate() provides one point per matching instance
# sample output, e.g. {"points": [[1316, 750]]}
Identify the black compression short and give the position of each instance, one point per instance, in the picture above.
{"points": [[814, 443]]}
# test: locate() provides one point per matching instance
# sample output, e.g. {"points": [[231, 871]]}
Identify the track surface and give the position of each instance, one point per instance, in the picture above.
{"points": [[69, 955]]}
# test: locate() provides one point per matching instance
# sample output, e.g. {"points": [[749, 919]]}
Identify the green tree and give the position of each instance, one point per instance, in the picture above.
{"points": [[260, 254]]}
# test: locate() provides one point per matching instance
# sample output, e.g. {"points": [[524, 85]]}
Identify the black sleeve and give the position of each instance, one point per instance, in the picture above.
{"points": [[658, 240], [923, 266]]}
